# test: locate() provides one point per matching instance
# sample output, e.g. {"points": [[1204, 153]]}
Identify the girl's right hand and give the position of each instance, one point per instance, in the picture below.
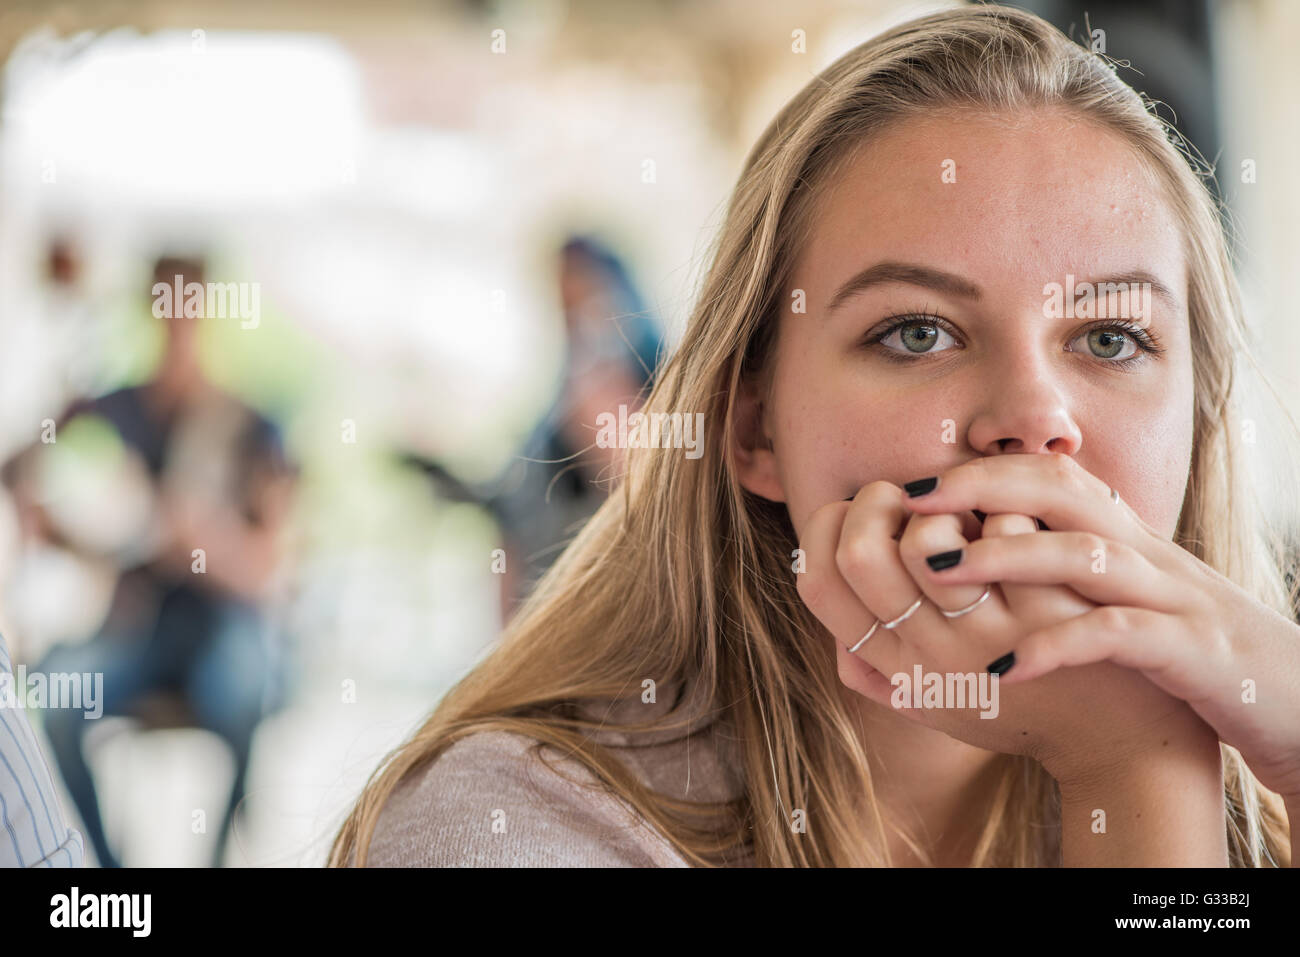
{"points": [[864, 560]]}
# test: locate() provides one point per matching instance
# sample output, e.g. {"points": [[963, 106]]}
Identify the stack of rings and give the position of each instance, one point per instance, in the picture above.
{"points": [[911, 611], [1114, 497]]}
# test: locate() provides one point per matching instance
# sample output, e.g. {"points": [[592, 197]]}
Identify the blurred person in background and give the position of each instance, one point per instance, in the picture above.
{"points": [[181, 624], [560, 476], [67, 317], [55, 333]]}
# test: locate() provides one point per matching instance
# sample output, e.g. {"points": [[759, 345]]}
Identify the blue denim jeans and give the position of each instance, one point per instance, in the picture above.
{"points": [[212, 650]]}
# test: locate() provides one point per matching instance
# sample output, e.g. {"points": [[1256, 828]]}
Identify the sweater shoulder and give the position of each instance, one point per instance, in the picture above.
{"points": [[499, 799]]}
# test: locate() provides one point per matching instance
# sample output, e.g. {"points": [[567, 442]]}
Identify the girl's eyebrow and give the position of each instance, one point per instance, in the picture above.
{"points": [[910, 273], [930, 278]]}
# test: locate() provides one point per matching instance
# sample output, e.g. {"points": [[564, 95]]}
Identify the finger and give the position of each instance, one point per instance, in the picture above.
{"points": [[830, 597], [1108, 573], [869, 560], [1148, 641], [860, 677], [941, 535], [1050, 486], [1033, 603]]}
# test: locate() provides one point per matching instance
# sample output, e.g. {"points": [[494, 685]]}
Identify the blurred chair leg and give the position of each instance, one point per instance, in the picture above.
{"points": [[227, 688], [127, 672], [235, 799]]}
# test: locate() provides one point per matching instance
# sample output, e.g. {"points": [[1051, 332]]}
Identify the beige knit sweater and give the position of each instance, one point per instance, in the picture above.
{"points": [[490, 800]]}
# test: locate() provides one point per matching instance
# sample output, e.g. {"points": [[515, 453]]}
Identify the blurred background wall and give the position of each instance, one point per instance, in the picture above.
{"points": [[397, 180]]}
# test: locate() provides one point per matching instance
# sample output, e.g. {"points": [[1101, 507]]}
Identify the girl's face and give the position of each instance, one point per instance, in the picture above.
{"points": [[963, 220]]}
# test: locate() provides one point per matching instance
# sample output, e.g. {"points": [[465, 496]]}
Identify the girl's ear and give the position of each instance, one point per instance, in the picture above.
{"points": [[751, 449]]}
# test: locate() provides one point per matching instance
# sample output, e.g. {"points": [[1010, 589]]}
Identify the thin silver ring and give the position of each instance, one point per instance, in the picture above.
{"points": [[863, 640], [888, 624], [1114, 496], [969, 608], [905, 615]]}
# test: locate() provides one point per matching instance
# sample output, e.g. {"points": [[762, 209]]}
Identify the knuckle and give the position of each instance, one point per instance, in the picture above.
{"points": [[1221, 646], [855, 557], [1007, 523], [1067, 474], [1126, 554], [822, 516], [881, 492], [1062, 465], [971, 470], [1090, 543], [991, 553], [927, 534], [1114, 618]]}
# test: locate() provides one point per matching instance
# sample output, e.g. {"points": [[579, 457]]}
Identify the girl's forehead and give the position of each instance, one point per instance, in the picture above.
{"points": [[1037, 197]]}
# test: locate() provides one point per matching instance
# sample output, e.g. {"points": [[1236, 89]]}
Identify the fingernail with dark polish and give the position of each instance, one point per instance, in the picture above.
{"points": [[921, 486], [1003, 664], [943, 560]]}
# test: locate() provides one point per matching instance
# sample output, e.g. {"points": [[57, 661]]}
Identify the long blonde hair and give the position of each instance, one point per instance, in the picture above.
{"points": [[682, 573]]}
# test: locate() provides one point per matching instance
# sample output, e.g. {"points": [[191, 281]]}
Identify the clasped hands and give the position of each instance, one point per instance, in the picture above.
{"points": [[1118, 645]]}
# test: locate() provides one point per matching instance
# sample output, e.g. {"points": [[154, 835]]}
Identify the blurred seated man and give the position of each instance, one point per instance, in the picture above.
{"points": [[182, 622]]}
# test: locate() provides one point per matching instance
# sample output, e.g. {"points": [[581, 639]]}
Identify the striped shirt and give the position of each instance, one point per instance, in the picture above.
{"points": [[33, 832]]}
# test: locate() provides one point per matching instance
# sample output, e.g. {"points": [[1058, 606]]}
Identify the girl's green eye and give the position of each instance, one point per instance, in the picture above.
{"points": [[916, 335], [919, 338], [1106, 343]]}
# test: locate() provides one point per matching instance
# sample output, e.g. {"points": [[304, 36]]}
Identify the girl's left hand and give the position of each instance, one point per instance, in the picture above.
{"points": [[1162, 611]]}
